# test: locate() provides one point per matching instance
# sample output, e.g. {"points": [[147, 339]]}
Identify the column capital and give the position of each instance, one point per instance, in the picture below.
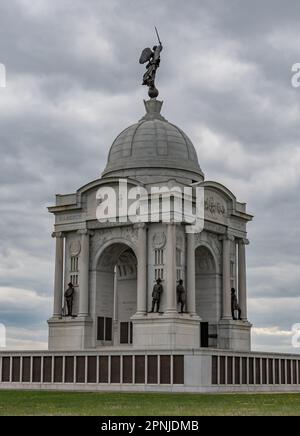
{"points": [[85, 232], [227, 238], [171, 223], [140, 226], [244, 241], [57, 235]]}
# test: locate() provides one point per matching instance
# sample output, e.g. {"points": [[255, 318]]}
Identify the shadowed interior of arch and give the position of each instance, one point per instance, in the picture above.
{"points": [[116, 294], [208, 291]]}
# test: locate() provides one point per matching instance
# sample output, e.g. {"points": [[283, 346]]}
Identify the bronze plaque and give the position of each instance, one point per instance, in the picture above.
{"points": [[152, 370], [92, 369], [103, 369], [115, 369], [69, 369], [165, 370], [26, 370], [37, 370], [16, 366], [58, 369], [140, 369], [47, 370], [237, 370], [127, 369], [80, 369], [178, 370], [5, 369]]}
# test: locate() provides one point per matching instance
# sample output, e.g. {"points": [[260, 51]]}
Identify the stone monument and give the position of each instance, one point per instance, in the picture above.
{"points": [[114, 266]]}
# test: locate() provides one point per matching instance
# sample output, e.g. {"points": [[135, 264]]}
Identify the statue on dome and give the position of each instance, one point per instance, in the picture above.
{"points": [[152, 57]]}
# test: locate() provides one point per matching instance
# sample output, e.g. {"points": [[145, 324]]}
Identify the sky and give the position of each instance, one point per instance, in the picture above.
{"points": [[73, 83]]}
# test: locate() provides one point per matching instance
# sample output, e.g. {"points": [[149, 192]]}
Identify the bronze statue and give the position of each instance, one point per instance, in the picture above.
{"points": [[153, 59], [156, 294], [69, 297], [235, 306], [181, 295]]}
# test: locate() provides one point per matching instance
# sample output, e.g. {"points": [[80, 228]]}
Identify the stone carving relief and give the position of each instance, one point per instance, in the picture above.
{"points": [[75, 248], [214, 206], [159, 240]]}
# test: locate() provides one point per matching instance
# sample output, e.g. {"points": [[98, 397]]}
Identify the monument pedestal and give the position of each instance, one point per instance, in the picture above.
{"points": [[70, 333], [234, 335], [169, 331]]}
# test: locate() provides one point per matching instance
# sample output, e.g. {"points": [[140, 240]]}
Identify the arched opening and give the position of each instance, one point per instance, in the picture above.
{"points": [[208, 294], [116, 295]]}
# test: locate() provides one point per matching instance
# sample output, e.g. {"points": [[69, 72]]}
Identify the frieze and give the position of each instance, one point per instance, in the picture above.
{"points": [[73, 217], [214, 207], [215, 228]]}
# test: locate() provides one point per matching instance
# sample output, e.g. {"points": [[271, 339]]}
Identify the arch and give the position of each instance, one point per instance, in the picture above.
{"points": [[112, 241], [213, 253], [208, 288], [115, 292]]}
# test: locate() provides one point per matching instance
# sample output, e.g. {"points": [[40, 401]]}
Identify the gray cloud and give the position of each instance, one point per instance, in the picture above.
{"points": [[73, 83]]}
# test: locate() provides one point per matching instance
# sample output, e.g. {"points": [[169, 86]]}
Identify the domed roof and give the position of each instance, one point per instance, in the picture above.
{"points": [[153, 142]]}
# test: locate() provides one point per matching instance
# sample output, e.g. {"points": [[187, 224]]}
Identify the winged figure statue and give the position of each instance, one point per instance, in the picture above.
{"points": [[152, 58]]}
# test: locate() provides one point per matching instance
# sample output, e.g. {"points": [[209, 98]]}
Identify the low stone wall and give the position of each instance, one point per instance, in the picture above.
{"points": [[90, 371], [157, 371]]}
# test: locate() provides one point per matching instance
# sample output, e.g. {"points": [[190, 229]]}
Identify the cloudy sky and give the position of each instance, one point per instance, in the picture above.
{"points": [[73, 83]]}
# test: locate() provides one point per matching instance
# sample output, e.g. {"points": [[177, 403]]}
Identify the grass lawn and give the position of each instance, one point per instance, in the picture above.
{"points": [[109, 404]]}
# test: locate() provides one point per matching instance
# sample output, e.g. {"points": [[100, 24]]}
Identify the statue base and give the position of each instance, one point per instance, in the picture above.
{"points": [[162, 331], [70, 333]]}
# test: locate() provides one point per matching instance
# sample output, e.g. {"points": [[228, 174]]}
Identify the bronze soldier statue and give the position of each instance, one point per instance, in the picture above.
{"points": [[69, 297], [181, 295], [156, 294], [235, 305]]}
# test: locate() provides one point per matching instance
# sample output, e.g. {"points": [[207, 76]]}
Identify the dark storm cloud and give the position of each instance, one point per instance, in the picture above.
{"points": [[73, 83]]}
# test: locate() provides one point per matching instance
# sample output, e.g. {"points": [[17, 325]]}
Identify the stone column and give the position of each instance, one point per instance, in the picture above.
{"points": [[170, 290], [59, 273], [191, 274], [84, 262], [142, 270], [226, 312], [242, 278]]}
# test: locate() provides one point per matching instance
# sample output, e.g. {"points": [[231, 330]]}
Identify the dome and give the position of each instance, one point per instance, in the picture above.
{"points": [[151, 143]]}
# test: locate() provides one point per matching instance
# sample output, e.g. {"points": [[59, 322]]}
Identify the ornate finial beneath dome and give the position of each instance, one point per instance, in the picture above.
{"points": [[153, 59], [153, 108]]}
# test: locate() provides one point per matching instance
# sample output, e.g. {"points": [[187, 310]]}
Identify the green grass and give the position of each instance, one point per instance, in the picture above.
{"points": [[114, 404]]}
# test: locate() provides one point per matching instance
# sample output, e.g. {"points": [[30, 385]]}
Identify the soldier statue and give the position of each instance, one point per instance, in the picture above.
{"points": [[156, 295], [69, 298], [152, 57], [181, 295], [235, 307]]}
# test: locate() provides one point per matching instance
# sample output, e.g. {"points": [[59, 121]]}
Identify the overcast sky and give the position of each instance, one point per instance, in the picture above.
{"points": [[73, 83]]}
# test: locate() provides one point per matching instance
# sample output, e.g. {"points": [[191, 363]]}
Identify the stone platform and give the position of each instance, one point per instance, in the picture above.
{"points": [[130, 370]]}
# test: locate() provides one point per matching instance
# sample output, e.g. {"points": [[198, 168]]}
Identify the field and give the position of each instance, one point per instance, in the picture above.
{"points": [[114, 404]]}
